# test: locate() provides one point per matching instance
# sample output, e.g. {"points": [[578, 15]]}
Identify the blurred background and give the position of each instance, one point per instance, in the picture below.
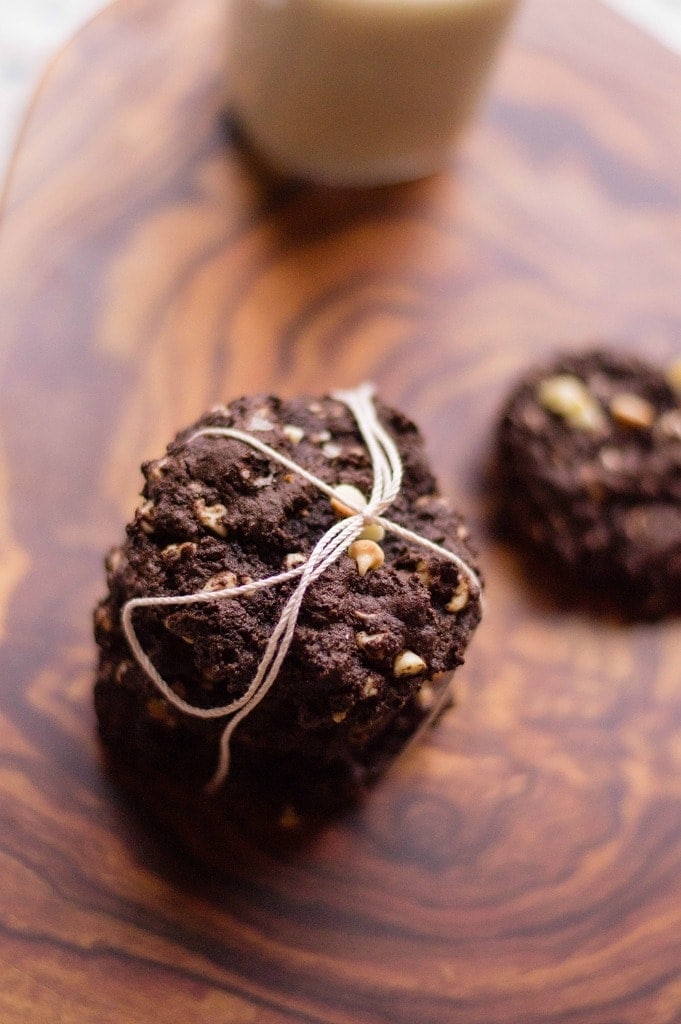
{"points": [[32, 31]]}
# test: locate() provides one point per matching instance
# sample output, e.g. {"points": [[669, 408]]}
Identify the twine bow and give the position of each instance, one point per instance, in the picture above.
{"points": [[387, 481]]}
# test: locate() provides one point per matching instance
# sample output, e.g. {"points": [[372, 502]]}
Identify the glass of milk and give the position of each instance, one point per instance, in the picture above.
{"points": [[360, 92]]}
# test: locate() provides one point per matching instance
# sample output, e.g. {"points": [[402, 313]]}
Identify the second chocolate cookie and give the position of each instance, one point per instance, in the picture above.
{"points": [[588, 471]]}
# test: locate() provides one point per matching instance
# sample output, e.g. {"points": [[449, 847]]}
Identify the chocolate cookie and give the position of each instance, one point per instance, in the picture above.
{"points": [[377, 629], [588, 471]]}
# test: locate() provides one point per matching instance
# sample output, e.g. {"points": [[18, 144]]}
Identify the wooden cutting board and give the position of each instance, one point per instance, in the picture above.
{"points": [[524, 864]]}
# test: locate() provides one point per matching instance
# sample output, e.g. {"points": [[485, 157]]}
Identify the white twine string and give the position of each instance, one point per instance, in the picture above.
{"points": [[387, 481]]}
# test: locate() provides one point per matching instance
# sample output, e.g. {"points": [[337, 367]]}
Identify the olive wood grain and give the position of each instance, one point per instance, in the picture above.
{"points": [[524, 864]]}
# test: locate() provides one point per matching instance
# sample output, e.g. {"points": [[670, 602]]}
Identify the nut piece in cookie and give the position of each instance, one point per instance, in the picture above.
{"points": [[588, 472]]}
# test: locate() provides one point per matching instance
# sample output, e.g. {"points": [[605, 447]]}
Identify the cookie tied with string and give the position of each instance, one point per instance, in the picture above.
{"points": [[289, 603]]}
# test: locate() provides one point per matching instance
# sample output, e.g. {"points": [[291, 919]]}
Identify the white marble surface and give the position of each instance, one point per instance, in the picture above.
{"points": [[31, 31], [662, 18]]}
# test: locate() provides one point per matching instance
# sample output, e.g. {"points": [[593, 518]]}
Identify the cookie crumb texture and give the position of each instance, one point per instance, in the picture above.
{"points": [[367, 645], [588, 471]]}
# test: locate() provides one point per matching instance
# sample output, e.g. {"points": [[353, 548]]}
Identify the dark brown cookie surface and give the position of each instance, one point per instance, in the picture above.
{"points": [[589, 471], [366, 649]]}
